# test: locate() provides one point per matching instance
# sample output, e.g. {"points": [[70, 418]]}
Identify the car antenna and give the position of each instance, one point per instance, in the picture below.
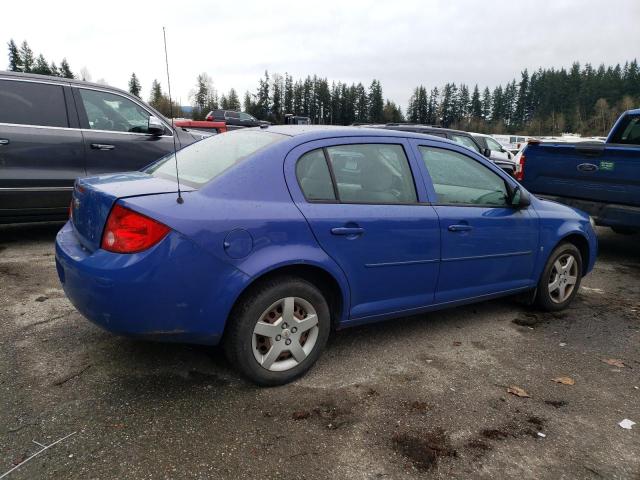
{"points": [[180, 200]]}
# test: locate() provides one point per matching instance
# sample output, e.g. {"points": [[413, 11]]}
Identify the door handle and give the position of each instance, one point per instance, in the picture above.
{"points": [[587, 167], [102, 146], [460, 228], [347, 231], [4, 141]]}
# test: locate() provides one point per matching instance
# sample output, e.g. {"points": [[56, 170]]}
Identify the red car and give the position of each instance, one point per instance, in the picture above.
{"points": [[206, 126]]}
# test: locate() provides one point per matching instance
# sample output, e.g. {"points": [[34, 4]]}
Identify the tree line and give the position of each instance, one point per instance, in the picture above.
{"points": [[22, 59], [581, 99]]}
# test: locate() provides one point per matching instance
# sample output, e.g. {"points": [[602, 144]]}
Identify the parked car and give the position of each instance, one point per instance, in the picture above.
{"points": [[235, 119], [291, 119], [53, 130], [285, 232], [602, 179], [498, 152], [463, 138], [206, 127], [513, 143]]}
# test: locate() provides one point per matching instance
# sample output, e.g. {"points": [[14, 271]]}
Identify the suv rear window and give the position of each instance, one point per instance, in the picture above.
{"points": [[203, 161], [31, 103]]}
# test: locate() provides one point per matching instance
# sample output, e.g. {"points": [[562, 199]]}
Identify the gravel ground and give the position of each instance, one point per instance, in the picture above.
{"points": [[421, 397]]}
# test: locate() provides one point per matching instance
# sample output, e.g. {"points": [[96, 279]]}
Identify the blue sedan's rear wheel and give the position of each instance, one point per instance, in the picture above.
{"points": [[277, 330]]}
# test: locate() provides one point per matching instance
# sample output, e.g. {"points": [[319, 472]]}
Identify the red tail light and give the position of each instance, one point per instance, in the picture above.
{"points": [[519, 175], [209, 118], [127, 231]]}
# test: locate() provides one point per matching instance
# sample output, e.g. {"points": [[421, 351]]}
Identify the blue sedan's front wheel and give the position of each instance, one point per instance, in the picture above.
{"points": [[560, 280], [278, 330]]}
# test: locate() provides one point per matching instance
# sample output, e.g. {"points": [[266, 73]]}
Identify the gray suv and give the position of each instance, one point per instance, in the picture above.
{"points": [[53, 130]]}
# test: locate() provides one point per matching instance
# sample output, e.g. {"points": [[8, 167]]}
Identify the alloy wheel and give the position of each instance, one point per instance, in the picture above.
{"points": [[285, 334], [563, 278]]}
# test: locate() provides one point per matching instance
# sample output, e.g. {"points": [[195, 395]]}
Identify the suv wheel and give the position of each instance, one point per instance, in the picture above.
{"points": [[277, 331]]}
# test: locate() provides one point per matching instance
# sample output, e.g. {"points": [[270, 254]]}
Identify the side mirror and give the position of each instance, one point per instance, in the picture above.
{"points": [[155, 126], [487, 152], [520, 198]]}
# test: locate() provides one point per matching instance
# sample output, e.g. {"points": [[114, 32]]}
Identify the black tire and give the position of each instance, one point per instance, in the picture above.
{"points": [[544, 299], [242, 321], [624, 230]]}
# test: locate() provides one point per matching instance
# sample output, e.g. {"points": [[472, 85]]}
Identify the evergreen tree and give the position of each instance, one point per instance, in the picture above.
{"points": [[134, 85], [487, 101], [463, 107], [432, 107], [263, 104], [376, 102], [233, 102], [277, 99], [41, 66], [250, 105], [156, 94], [476, 104], [391, 113], [448, 107], [54, 69], [65, 70], [26, 55], [362, 104], [15, 62], [288, 93]]}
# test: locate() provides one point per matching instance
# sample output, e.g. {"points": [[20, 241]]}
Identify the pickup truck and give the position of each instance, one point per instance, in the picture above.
{"points": [[602, 179]]}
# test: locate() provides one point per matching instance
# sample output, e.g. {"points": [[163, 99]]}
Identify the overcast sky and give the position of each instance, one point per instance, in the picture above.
{"points": [[401, 43]]}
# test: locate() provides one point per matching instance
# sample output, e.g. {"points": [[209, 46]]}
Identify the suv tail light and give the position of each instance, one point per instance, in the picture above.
{"points": [[520, 159], [127, 231], [209, 118]]}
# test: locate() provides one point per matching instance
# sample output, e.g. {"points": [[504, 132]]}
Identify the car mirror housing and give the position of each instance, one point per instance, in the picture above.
{"points": [[487, 152], [155, 126], [520, 198]]}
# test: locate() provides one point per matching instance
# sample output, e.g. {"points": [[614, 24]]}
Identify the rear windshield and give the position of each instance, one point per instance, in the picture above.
{"points": [[203, 161], [628, 132]]}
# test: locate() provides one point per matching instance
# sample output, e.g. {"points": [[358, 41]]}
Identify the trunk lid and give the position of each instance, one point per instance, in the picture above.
{"points": [[93, 198]]}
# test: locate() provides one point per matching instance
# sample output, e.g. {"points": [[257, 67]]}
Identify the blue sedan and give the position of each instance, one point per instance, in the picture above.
{"points": [[279, 234]]}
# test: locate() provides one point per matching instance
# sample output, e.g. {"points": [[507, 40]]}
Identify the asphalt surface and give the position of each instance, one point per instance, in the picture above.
{"points": [[422, 397]]}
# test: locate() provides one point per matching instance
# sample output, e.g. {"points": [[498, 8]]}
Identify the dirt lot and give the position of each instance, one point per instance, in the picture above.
{"points": [[422, 397]]}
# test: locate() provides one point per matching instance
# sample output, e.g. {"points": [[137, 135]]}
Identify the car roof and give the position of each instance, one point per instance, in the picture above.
{"points": [[414, 126], [317, 132], [60, 80]]}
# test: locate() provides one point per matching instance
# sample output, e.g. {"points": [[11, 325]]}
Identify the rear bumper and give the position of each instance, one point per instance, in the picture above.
{"points": [[604, 214], [172, 292]]}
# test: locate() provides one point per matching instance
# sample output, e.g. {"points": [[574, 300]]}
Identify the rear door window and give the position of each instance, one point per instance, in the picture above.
{"points": [[32, 103], [314, 178], [460, 180], [372, 173]]}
